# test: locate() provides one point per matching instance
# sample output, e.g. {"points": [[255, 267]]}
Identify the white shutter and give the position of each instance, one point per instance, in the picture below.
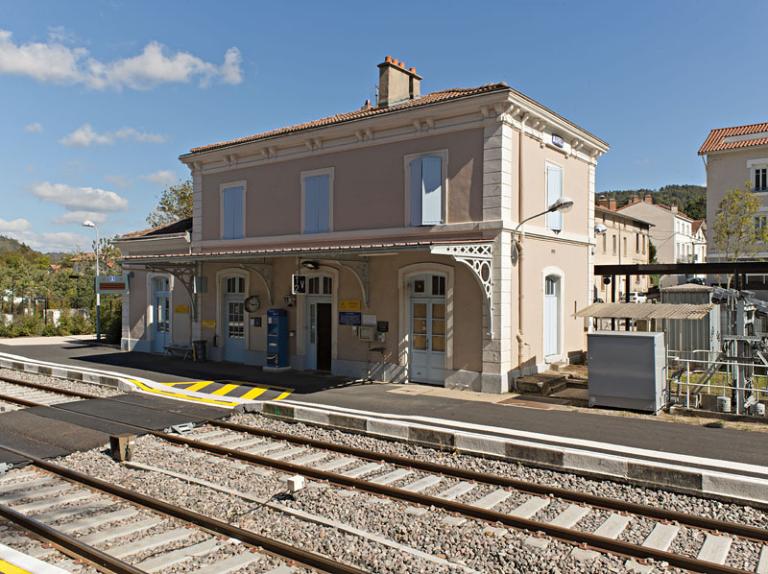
{"points": [[432, 190], [232, 216], [316, 204], [415, 191], [554, 192]]}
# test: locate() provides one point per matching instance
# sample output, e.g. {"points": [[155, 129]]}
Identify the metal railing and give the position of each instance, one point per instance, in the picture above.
{"points": [[693, 381]]}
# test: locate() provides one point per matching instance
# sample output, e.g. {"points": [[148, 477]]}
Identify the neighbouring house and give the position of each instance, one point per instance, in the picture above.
{"points": [[385, 238], [623, 240], [672, 233], [735, 157]]}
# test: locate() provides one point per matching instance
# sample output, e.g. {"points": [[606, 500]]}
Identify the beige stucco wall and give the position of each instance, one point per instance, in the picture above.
{"points": [[542, 258], [383, 302], [726, 171], [368, 190], [618, 229], [575, 185]]}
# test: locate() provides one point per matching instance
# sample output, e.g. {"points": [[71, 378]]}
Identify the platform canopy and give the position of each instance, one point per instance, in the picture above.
{"points": [[646, 311]]}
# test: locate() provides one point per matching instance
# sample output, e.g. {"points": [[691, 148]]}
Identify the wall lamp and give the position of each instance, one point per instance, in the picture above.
{"points": [[560, 204], [312, 265]]}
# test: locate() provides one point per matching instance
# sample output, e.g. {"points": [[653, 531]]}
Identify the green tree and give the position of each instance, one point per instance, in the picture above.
{"points": [[735, 232], [175, 203]]}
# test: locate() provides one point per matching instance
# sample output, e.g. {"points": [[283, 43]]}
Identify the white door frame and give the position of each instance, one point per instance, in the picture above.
{"points": [[221, 276], [553, 272], [302, 311], [404, 274], [149, 316]]}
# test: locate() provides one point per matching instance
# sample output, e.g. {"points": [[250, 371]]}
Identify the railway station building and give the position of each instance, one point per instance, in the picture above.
{"points": [[405, 240]]}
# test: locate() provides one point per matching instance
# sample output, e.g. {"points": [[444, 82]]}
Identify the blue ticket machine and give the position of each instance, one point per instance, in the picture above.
{"points": [[277, 339]]}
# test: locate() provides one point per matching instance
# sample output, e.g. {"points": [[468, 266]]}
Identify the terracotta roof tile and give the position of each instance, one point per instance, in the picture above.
{"points": [[717, 140], [179, 226], [434, 97]]}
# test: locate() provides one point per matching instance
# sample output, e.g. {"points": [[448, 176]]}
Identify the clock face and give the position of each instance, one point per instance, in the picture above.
{"points": [[252, 303]]}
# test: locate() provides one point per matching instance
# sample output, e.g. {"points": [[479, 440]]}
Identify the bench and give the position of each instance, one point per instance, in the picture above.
{"points": [[183, 351]]}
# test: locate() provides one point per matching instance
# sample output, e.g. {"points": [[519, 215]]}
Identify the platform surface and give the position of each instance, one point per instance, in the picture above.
{"points": [[50, 432], [521, 415]]}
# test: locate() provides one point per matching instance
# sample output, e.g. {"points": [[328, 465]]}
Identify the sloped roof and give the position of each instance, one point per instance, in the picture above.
{"points": [[432, 98], [646, 311], [697, 224], [179, 226], [605, 210], [736, 137], [367, 112]]}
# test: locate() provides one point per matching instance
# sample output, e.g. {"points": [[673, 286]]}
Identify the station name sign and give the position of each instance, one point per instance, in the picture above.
{"points": [[112, 284]]}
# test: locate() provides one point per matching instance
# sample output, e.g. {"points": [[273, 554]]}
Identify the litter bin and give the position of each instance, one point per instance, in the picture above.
{"points": [[199, 350]]}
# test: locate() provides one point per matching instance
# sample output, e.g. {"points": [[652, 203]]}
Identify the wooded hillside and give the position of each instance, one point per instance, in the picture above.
{"points": [[690, 199]]}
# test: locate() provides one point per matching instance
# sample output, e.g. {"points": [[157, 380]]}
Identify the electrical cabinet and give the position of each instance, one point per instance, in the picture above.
{"points": [[277, 339], [627, 370]]}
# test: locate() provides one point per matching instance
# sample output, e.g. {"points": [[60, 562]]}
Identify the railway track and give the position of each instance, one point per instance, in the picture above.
{"points": [[594, 523], [537, 508]]}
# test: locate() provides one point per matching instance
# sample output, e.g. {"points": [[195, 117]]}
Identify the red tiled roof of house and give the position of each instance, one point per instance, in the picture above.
{"points": [[179, 226], [696, 225], [434, 97], [736, 137]]}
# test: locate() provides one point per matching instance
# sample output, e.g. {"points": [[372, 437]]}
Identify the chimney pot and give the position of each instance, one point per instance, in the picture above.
{"points": [[612, 204], [396, 83]]}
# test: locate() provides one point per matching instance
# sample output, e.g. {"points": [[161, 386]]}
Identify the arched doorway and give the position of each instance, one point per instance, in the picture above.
{"points": [[427, 328], [233, 318], [319, 314], [552, 318], [161, 313]]}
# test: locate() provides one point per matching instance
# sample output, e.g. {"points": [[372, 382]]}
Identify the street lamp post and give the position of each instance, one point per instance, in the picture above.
{"points": [[92, 225], [561, 204]]}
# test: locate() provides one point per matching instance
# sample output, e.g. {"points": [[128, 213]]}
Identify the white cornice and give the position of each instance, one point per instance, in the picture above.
{"points": [[441, 117]]}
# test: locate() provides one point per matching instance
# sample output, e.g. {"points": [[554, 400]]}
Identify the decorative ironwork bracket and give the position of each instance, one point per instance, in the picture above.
{"points": [[184, 272], [359, 268], [264, 271], [479, 258]]}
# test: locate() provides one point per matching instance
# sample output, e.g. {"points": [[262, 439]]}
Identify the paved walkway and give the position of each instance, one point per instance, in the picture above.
{"points": [[417, 401]]}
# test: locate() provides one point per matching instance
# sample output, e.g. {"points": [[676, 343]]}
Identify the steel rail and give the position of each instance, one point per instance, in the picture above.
{"points": [[705, 523], [600, 543], [305, 557], [49, 388], [102, 561]]}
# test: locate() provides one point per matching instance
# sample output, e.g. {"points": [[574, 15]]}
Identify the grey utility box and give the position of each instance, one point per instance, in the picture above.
{"points": [[626, 370]]}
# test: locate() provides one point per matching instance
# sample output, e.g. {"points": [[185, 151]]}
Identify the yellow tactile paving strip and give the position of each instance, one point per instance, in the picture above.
{"points": [[219, 391], [8, 568]]}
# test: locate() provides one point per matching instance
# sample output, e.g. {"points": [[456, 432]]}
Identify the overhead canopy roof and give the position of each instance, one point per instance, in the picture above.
{"points": [[645, 311]]}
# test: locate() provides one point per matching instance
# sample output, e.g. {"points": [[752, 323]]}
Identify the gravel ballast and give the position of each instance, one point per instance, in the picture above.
{"points": [[95, 389], [471, 543], [729, 512]]}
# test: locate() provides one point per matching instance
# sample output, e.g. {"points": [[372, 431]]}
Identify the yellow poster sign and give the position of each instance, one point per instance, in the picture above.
{"points": [[349, 305], [209, 324], [181, 308]]}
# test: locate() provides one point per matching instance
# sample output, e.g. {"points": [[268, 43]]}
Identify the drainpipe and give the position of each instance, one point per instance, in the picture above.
{"points": [[520, 255]]}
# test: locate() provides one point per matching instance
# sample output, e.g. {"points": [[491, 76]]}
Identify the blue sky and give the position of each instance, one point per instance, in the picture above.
{"points": [[100, 98]]}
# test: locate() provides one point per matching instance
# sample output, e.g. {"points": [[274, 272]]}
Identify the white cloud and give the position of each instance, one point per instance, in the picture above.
{"points": [[162, 177], [55, 62], [77, 217], [33, 128], [85, 136], [79, 198], [53, 241], [14, 225]]}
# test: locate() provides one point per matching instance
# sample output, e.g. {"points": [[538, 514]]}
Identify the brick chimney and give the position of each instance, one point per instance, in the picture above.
{"points": [[397, 83], [612, 203], [648, 198]]}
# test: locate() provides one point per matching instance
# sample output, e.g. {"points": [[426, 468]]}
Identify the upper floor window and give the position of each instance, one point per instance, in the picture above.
{"points": [[235, 285], [317, 201], [614, 244], [760, 178], [554, 192], [232, 211], [605, 243], [426, 187], [637, 243]]}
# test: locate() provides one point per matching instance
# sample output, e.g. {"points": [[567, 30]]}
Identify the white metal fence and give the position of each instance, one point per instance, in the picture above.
{"points": [[717, 385]]}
